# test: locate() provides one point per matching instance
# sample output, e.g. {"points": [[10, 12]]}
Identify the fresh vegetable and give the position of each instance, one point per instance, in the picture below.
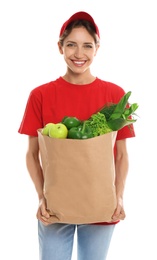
{"points": [[80, 132], [70, 122], [111, 117], [121, 114], [107, 110], [120, 107], [98, 124], [130, 111]]}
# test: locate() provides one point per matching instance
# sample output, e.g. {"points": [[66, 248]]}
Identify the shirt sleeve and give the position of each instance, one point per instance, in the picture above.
{"points": [[126, 132], [32, 118]]}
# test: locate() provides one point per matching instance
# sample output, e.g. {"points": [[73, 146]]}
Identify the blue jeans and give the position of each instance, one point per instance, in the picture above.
{"points": [[56, 241]]}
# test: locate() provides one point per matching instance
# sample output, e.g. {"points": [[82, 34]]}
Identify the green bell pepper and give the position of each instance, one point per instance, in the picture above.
{"points": [[70, 122], [80, 132]]}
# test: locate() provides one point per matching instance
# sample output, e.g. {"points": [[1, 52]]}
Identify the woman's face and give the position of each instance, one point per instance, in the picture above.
{"points": [[79, 49]]}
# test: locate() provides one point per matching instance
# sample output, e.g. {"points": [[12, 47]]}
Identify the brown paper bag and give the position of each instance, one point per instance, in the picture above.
{"points": [[79, 178]]}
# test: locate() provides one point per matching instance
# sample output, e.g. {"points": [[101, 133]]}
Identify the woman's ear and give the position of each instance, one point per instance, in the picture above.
{"points": [[97, 47], [60, 48]]}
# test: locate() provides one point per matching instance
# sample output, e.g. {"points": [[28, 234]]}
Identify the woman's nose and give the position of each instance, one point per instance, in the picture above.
{"points": [[78, 52]]}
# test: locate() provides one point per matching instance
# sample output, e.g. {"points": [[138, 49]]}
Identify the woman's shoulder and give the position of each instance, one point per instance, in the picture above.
{"points": [[111, 89], [110, 85], [45, 86]]}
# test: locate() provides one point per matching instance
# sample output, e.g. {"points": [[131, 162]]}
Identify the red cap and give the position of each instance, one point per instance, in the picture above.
{"points": [[80, 16]]}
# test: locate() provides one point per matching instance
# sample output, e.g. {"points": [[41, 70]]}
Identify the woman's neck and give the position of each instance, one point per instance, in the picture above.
{"points": [[79, 79]]}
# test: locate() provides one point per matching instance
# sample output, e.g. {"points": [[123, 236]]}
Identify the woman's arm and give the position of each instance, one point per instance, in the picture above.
{"points": [[33, 165], [121, 170], [36, 174]]}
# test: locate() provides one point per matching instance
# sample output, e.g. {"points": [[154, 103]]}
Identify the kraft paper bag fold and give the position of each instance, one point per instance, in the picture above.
{"points": [[79, 177]]}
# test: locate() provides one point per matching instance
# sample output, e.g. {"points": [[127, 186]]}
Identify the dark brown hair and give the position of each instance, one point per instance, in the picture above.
{"points": [[76, 24]]}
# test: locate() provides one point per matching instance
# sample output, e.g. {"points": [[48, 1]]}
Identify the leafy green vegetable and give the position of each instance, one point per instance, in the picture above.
{"points": [[98, 124], [107, 110], [111, 117], [120, 107], [120, 114]]}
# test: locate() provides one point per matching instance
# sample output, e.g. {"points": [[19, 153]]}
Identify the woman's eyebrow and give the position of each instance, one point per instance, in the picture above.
{"points": [[83, 42]]}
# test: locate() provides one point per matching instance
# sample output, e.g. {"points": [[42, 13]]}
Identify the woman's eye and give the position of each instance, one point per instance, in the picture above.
{"points": [[88, 46], [71, 45]]}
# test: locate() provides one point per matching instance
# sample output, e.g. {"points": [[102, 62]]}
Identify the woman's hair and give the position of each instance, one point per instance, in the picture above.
{"points": [[76, 24]]}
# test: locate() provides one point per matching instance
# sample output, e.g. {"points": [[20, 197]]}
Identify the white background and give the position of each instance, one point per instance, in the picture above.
{"points": [[29, 57]]}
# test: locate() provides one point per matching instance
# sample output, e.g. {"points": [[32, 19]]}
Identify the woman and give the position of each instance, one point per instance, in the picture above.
{"points": [[77, 93]]}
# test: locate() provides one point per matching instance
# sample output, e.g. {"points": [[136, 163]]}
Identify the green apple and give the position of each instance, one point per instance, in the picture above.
{"points": [[58, 130], [45, 130]]}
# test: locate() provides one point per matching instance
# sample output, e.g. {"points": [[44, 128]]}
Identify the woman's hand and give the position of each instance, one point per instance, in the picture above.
{"points": [[42, 213], [119, 213]]}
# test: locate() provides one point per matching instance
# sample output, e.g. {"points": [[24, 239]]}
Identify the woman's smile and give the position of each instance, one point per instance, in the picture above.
{"points": [[79, 63]]}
